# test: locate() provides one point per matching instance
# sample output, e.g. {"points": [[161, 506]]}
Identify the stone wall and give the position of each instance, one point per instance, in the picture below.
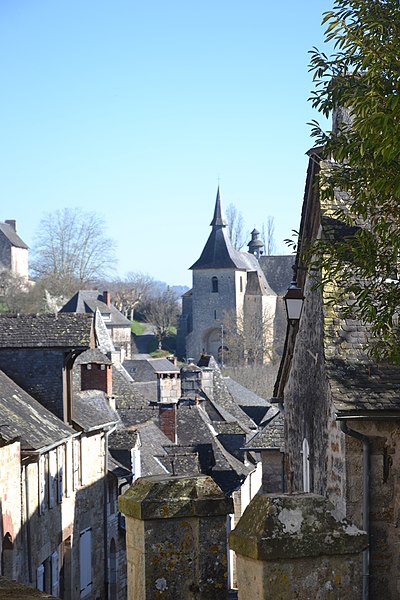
{"points": [[294, 547], [19, 261], [176, 538], [384, 440], [39, 372], [10, 509], [307, 400]]}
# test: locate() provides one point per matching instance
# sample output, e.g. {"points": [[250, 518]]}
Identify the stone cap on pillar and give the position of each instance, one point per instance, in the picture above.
{"points": [[294, 526], [169, 497]]}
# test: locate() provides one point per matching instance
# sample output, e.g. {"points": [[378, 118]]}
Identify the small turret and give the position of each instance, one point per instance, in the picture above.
{"points": [[255, 245]]}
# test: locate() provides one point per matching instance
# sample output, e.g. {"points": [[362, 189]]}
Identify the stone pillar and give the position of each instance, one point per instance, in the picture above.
{"points": [[292, 546], [176, 538]]}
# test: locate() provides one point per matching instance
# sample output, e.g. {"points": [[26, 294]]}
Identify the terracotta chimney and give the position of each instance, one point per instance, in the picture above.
{"points": [[95, 376], [12, 223], [106, 298]]}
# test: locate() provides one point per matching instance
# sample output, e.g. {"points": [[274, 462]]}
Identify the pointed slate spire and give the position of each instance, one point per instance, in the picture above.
{"points": [[218, 220]]}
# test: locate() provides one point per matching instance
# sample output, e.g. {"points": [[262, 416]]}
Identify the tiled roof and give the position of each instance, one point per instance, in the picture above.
{"points": [[45, 331], [272, 435], [87, 301], [278, 271], [93, 356], [254, 406], [92, 411], [9, 232], [357, 387], [146, 369], [25, 418]]}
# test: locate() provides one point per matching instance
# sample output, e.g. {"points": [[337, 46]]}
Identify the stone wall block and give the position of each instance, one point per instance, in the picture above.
{"points": [[176, 538], [293, 546]]}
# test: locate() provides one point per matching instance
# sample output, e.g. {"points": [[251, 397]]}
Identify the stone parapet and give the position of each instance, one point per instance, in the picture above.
{"points": [[293, 546], [176, 538]]}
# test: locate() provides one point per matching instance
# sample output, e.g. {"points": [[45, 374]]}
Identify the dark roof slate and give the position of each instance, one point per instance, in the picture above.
{"points": [[25, 418], [271, 436], [92, 411], [87, 301], [46, 331], [278, 271], [9, 232]]}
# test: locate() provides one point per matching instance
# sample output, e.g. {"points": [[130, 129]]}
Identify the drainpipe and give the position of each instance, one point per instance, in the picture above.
{"points": [[105, 515], [366, 476]]}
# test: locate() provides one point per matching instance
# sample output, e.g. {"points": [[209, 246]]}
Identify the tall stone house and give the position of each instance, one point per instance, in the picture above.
{"points": [[13, 251], [59, 520], [341, 410], [231, 298]]}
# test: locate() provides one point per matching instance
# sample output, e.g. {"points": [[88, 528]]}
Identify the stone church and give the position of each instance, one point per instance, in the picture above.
{"points": [[235, 304]]}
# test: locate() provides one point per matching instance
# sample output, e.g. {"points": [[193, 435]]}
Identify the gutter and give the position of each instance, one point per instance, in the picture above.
{"points": [[366, 492]]}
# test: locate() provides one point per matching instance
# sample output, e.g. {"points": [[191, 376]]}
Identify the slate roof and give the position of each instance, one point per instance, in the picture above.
{"points": [[132, 400], [87, 301], [150, 440], [278, 271], [147, 369], [358, 387], [46, 331], [9, 232], [94, 356], [92, 411], [223, 399], [193, 429], [102, 334], [271, 436], [254, 406], [117, 469], [218, 253], [21, 416]]}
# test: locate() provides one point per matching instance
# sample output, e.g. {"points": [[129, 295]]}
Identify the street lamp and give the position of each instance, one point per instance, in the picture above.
{"points": [[294, 300]]}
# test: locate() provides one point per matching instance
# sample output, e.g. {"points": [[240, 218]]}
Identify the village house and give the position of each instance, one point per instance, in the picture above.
{"points": [[341, 409], [119, 327], [13, 251], [71, 541]]}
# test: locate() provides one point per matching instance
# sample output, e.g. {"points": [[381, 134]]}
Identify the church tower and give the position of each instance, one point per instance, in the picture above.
{"points": [[218, 295]]}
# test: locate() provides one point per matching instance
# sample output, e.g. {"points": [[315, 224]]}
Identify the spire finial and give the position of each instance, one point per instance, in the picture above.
{"points": [[218, 220]]}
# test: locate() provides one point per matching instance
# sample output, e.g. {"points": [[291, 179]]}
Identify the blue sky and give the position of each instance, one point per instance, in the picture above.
{"points": [[135, 109]]}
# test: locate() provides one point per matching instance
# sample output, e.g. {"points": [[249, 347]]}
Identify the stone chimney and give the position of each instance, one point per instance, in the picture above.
{"points": [[106, 298], [12, 223], [167, 421], [168, 387], [96, 372]]}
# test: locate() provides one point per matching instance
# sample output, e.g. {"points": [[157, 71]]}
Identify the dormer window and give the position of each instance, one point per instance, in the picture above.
{"points": [[106, 316], [214, 284]]}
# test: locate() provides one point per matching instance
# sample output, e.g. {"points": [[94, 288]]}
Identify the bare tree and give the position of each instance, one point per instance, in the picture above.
{"points": [[247, 340], [71, 250], [268, 236], [17, 295], [235, 225], [162, 313], [128, 293]]}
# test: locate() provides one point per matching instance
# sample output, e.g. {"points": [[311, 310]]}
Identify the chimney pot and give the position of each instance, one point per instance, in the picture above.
{"points": [[106, 298]]}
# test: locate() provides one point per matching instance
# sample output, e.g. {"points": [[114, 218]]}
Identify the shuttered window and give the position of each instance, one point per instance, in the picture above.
{"points": [[60, 471], [40, 578], [42, 483], [52, 476], [54, 574], [85, 561]]}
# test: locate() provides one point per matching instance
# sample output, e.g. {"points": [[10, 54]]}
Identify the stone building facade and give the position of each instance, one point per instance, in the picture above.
{"points": [[342, 412], [13, 251], [230, 300]]}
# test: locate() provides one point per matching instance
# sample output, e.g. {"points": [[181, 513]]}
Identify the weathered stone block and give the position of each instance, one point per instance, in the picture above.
{"points": [[176, 538], [292, 546]]}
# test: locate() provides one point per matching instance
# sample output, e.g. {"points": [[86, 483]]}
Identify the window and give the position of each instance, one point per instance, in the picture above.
{"points": [[214, 284], [241, 283], [52, 476], [76, 464], [40, 578], [306, 466], [85, 561], [215, 314]]}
